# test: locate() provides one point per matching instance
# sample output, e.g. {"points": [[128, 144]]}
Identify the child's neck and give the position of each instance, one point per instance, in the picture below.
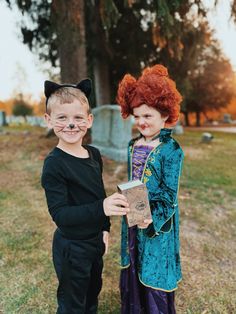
{"points": [[76, 150]]}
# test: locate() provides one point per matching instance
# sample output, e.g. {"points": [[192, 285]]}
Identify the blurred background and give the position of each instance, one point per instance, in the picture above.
{"points": [[66, 41]]}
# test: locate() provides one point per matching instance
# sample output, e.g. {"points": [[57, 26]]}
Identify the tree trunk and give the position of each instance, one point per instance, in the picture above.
{"points": [[102, 84], [70, 27], [186, 119], [198, 118], [100, 57]]}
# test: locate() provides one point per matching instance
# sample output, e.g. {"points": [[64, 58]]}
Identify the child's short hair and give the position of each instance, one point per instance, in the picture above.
{"points": [[67, 95]]}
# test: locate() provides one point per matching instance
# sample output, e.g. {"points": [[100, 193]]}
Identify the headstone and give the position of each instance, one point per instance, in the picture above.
{"points": [[227, 118], [36, 121], [178, 129], [110, 133], [207, 137], [15, 120], [3, 118]]}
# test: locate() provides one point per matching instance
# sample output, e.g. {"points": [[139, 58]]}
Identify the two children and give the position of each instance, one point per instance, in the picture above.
{"points": [[72, 179]]}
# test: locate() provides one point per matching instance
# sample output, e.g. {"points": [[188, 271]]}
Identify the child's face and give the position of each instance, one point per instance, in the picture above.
{"points": [[148, 120], [70, 122]]}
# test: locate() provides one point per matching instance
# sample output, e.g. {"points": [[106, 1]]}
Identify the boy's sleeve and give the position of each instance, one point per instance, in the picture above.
{"points": [[164, 199], [56, 193], [107, 224]]}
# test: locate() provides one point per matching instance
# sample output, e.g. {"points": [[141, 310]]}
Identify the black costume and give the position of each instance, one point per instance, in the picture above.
{"points": [[75, 192]]}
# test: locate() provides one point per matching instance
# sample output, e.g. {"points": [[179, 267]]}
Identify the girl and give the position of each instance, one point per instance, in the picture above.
{"points": [[150, 251]]}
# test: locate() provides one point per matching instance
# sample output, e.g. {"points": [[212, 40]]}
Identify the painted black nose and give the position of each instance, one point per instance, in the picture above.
{"points": [[71, 126]]}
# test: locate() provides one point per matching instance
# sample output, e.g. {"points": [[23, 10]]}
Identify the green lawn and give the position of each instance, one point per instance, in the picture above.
{"points": [[207, 201]]}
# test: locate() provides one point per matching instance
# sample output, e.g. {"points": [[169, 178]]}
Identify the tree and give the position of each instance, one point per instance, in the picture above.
{"points": [[21, 108], [69, 25], [143, 31], [212, 84], [196, 38], [53, 25]]}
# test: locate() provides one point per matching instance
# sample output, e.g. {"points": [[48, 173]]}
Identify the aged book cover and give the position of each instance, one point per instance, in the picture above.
{"points": [[136, 193]]}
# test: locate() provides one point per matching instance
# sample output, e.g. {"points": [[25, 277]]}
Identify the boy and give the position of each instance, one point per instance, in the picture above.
{"points": [[72, 179]]}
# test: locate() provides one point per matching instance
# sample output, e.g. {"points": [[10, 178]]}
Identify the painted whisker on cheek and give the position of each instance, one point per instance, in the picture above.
{"points": [[60, 126], [82, 125]]}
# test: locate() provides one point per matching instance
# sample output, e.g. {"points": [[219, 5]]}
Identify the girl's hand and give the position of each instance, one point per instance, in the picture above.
{"points": [[145, 224], [106, 240]]}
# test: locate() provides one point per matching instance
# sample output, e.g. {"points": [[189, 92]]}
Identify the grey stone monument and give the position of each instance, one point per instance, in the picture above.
{"points": [[207, 137], [110, 133], [227, 118], [3, 118], [178, 129]]}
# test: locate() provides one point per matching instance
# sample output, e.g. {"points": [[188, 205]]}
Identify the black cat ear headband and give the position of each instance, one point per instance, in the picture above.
{"points": [[50, 87]]}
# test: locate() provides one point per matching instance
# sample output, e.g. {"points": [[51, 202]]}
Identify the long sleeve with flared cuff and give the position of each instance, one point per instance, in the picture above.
{"points": [[164, 197]]}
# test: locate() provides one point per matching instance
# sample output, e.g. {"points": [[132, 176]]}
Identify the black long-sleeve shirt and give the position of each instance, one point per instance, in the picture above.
{"points": [[75, 192]]}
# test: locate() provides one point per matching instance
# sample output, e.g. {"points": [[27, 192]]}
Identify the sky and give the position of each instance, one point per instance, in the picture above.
{"points": [[21, 71]]}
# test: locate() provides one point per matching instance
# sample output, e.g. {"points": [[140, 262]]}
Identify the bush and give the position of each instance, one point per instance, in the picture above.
{"points": [[22, 109]]}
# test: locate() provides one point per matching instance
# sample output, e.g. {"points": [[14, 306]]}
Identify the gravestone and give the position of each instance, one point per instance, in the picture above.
{"points": [[207, 137], [227, 118], [36, 121], [178, 129], [110, 133], [3, 118], [15, 120]]}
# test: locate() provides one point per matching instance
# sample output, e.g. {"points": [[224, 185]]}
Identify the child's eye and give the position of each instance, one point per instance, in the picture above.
{"points": [[147, 116], [79, 118], [61, 117]]}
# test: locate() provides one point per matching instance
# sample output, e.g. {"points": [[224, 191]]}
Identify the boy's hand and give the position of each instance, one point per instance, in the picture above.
{"points": [[115, 205], [145, 224], [106, 240]]}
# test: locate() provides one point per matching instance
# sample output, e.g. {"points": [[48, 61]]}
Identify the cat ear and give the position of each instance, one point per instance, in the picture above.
{"points": [[85, 86], [50, 88]]}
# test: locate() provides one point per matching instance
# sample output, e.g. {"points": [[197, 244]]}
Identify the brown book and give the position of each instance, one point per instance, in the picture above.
{"points": [[136, 193]]}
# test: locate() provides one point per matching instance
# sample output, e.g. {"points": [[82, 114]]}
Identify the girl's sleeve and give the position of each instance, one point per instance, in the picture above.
{"points": [[164, 199]]}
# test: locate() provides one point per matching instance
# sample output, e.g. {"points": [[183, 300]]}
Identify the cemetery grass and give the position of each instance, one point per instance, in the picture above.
{"points": [[207, 202]]}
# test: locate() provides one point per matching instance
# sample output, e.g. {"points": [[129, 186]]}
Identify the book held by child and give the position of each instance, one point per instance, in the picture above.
{"points": [[136, 193]]}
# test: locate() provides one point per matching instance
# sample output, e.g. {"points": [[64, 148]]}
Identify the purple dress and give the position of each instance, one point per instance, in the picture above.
{"points": [[135, 297]]}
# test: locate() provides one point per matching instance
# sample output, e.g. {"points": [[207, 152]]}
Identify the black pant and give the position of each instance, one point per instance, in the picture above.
{"points": [[78, 264]]}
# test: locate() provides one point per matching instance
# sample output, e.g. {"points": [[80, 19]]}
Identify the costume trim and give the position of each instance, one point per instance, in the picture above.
{"points": [[170, 227], [160, 288], [126, 266], [171, 217]]}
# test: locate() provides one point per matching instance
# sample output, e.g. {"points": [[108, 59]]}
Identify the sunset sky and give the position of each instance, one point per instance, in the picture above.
{"points": [[20, 69]]}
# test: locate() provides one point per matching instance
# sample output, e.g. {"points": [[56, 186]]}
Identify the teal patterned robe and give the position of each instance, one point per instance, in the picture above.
{"points": [[158, 262]]}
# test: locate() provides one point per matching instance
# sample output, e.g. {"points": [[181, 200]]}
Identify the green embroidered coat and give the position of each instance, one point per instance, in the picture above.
{"points": [[158, 246]]}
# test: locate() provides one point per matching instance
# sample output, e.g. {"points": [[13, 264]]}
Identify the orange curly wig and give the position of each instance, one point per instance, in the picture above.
{"points": [[153, 88]]}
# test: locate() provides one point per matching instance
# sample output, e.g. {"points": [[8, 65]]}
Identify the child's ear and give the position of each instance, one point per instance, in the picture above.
{"points": [[165, 118], [90, 121], [48, 120]]}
